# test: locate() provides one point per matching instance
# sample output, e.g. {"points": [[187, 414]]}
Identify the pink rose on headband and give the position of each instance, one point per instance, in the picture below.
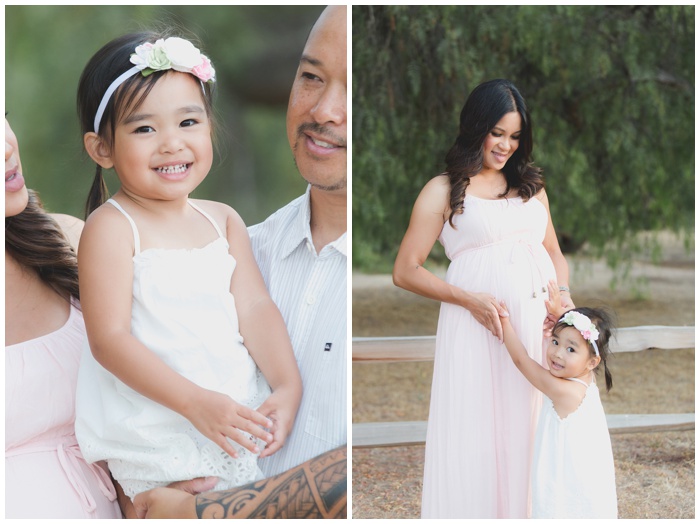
{"points": [[581, 322], [204, 71]]}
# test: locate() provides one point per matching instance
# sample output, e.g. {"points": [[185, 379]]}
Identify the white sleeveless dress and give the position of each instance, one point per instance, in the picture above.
{"points": [[483, 412], [184, 312], [573, 473]]}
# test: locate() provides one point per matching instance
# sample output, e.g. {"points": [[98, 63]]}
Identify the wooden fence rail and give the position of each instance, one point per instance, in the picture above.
{"points": [[422, 349]]}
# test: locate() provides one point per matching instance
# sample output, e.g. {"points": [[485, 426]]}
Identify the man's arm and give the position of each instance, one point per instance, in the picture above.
{"points": [[315, 489]]}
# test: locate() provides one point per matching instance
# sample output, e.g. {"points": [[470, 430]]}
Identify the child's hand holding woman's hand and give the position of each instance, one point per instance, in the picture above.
{"points": [[218, 416], [503, 314]]}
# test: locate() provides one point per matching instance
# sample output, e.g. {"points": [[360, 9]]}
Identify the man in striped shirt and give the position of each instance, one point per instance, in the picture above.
{"points": [[302, 248]]}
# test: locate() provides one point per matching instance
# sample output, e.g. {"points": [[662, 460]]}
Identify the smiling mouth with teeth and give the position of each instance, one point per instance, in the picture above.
{"points": [[181, 168], [321, 143]]}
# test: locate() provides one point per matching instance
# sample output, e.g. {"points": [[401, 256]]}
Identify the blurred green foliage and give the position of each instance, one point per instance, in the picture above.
{"points": [[611, 94], [255, 51]]}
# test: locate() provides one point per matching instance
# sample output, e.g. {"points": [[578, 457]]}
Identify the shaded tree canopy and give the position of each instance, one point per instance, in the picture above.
{"points": [[610, 90]]}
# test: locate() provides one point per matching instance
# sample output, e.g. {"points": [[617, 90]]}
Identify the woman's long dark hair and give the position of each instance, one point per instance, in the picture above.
{"points": [[36, 241], [102, 69], [485, 106]]}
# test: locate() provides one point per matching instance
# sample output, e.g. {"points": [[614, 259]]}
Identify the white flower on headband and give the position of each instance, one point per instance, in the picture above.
{"points": [[583, 324], [173, 53]]}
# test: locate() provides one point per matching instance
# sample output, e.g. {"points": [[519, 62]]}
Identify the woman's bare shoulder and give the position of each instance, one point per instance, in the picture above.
{"points": [[71, 226], [435, 195], [441, 181]]}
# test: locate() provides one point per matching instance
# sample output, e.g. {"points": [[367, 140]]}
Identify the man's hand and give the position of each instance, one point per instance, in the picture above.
{"points": [[165, 503], [175, 501]]}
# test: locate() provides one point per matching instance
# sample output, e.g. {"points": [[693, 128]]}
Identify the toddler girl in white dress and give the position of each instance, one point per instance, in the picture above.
{"points": [[573, 473], [169, 287]]}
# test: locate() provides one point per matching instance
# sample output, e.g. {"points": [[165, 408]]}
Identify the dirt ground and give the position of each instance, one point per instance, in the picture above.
{"points": [[655, 472]]}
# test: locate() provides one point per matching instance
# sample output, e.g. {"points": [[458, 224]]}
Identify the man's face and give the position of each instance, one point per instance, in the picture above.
{"points": [[316, 115]]}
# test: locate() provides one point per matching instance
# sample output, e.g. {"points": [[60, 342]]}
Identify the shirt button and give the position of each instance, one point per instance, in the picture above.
{"points": [[310, 299]]}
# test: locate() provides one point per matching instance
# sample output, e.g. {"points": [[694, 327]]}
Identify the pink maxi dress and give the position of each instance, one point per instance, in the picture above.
{"points": [[45, 473], [483, 412]]}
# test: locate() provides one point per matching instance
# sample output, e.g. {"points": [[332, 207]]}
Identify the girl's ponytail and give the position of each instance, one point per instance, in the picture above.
{"points": [[608, 376], [99, 193]]}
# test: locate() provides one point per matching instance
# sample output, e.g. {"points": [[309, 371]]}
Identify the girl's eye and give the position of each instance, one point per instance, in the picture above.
{"points": [[555, 342], [497, 135], [144, 129], [571, 350], [188, 123]]}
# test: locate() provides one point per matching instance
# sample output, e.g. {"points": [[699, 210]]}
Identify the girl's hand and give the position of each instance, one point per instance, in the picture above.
{"points": [[218, 416], [557, 305], [282, 415], [487, 311], [503, 315]]}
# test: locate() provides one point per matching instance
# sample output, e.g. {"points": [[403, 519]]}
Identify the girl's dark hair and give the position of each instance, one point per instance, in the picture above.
{"points": [[102, 69], [36, 241], [603, 321], [485, 106]]}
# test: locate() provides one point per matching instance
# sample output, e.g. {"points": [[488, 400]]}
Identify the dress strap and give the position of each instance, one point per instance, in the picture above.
{"points": [[206, 215], [578, 380], [137, 239]]}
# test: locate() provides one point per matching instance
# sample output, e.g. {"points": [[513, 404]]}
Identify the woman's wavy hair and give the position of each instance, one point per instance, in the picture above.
{"points": [[36, 241], [102, 69], [485, 106], [603, 322]]}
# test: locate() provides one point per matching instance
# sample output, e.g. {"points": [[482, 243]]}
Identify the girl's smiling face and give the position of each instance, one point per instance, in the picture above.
{"points": [[569, 354], [162, 150], [502, 141]]}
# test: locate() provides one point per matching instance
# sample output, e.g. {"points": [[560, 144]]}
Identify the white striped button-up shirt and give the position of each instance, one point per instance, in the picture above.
{"points": [[310, 290]]}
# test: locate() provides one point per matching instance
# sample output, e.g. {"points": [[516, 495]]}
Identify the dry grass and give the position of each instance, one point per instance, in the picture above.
{"points": [[655, 471]]}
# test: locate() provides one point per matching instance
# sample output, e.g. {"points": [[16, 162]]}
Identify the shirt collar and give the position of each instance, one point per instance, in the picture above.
{"points": [[300, 230]]}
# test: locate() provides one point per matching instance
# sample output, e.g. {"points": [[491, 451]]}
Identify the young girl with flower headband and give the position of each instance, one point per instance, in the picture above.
{"points": [[573, 474], [169, 286]]}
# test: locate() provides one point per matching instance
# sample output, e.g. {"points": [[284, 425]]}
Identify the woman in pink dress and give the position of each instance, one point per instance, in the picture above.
{"points": [[45, 473], [490, 212]]}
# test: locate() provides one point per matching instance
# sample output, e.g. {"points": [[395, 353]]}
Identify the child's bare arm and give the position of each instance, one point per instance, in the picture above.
{"points": [[265, 334], [533, 372]]}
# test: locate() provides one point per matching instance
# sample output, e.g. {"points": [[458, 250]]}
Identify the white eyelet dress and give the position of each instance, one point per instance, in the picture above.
{"points": [[184, 312], [573, 473]]}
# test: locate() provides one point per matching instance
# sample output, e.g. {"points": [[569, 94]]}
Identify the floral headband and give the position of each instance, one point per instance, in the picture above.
{"points": [[584, 324], [172, 53]]}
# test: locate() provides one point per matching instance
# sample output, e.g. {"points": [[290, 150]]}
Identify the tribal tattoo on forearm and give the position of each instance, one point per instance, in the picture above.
{"points": [[316, 489]]}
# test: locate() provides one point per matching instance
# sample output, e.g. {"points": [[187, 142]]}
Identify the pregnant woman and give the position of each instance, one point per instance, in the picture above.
{"points": [[490, 211]]}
